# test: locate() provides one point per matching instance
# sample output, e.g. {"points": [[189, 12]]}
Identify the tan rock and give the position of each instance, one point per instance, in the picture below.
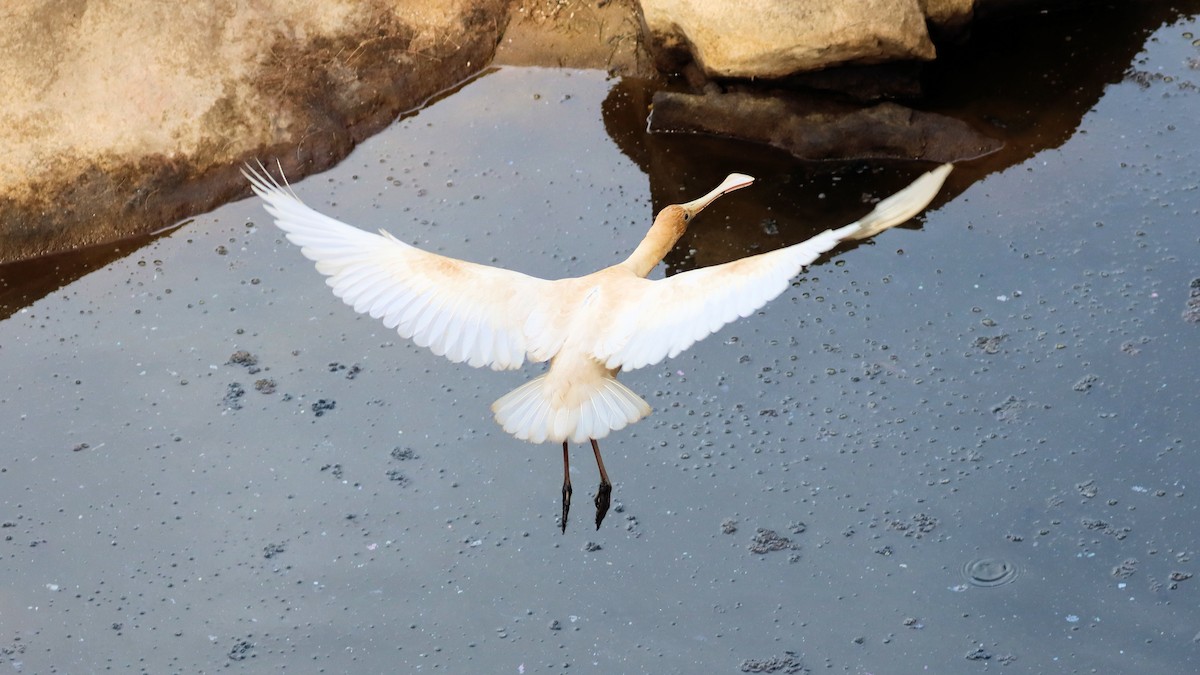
{"points": [[776, 38], [122, 116], [948, 17], [601, 34]]}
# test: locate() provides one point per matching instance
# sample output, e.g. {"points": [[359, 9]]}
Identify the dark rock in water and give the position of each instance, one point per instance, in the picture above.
{"points": [[817, 128]]}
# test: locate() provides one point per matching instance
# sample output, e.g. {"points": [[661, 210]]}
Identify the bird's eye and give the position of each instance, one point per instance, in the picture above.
{"points": [[687, 217]]}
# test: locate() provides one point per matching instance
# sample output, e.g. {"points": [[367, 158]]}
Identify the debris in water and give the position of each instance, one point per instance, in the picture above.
{"points": [[1087, 489], [990, 345], [351, 372], [241, 650], [403, 454], [765, 541], [918, 526], [1085, 382], [1007, 410], [1126, 569], [979, 654], [789, 663], [244, 358], [1191, 312], [233, 396]]}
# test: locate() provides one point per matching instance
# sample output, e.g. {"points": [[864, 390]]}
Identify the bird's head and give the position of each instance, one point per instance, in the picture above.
{"points": [[679, 216]]}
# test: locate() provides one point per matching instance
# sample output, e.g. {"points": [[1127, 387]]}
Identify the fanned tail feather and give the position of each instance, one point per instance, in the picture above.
{"points": [[529, 414]]}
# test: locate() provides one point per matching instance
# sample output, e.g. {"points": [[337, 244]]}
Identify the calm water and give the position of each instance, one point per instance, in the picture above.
{"points": [[973, 440]]}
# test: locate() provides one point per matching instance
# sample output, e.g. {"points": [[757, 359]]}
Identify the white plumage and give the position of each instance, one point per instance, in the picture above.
{"points": [[589, 328]]}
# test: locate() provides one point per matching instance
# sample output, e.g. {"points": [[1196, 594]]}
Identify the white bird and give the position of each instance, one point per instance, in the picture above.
{"points": [[589, 328]]}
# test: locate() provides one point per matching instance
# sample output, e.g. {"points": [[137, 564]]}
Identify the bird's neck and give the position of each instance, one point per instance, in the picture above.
{"points": [[667, 229]]}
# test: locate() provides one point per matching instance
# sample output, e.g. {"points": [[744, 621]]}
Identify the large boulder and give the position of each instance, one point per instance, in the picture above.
{"points": [[123, 116], [778, 38]]}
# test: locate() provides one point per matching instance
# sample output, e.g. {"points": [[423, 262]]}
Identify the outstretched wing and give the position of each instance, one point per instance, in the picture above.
{"points": [[461, 310], [670, 315]]}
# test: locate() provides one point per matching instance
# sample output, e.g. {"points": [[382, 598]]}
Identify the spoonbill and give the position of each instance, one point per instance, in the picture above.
{"points": [[589, 328]]}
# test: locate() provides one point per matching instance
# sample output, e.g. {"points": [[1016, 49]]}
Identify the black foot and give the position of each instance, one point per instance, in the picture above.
{"points": [[566, 505], [602, 501]]}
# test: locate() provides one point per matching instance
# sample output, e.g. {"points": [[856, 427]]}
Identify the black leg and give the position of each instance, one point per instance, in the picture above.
{"points": [[604, 493], [566, 502]]}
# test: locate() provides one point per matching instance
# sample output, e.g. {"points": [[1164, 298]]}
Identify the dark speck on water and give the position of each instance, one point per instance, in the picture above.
{"points": [[323, 406]]}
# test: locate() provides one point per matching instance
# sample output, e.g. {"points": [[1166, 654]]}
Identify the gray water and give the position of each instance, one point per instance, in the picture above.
{"points": [[972, 441]]}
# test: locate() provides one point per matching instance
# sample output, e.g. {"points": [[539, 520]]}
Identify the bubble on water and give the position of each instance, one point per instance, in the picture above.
{"points": [[988, 572]]}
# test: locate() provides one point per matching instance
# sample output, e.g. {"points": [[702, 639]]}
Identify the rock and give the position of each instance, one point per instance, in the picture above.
{"points": [[949, 17], [121, 117], [776, 38], [601, 34], [818, 129]]}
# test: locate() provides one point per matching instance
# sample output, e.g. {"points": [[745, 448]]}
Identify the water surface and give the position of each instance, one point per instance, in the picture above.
{"points": [[1011, 380]]}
